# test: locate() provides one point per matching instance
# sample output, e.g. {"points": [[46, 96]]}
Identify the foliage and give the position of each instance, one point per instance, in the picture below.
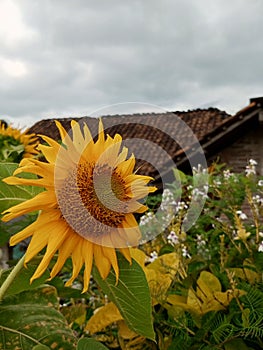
{"points": [[200, 289], [11, 150]]}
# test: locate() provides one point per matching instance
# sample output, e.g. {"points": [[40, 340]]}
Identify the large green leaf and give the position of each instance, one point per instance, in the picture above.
{"points": [[11, 194], [131, 295], [40, 347], [32, 318], [21, 282], [90, 344]]}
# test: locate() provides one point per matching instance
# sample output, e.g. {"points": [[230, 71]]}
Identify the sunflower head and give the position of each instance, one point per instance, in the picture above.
{"points": [[16, 144], [91, 193]]}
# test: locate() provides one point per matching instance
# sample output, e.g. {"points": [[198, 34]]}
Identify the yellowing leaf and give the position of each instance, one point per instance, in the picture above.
{"points": [[247, 273], [175, 299], [103, 317], [207, 297], [207, 284], [158, 283], [138, 255], [159, 273], [125, 332], [176, 304], [193, 302], [166, 264]]}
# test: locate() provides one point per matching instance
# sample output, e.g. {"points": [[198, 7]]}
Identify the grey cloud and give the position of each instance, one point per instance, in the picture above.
{"points": [[86, 54]]}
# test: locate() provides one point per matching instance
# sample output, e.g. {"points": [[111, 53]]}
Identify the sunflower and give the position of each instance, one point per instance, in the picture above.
{"points": [[16, 144], [91, 193]]}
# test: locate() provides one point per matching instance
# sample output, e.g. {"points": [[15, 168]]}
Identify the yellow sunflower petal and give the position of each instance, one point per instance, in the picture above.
{"points": [[77, 261], [37, 243], [78, 138], [122, 156], [44, 200], [136, 207], [41, 221], [101, 136], [65, 251], [61, 130], [52, 143], [87, 253], [48, 153], [127, 166], [130, 226], [110, 154], [110, 253], [12, 180], [126, 253], [101, 261], [42, 237], [54, 243], [40, 170], [87, 135]]}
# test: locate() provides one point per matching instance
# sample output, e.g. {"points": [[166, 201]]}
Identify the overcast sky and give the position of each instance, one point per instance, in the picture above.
{"points": [[72, 57]]}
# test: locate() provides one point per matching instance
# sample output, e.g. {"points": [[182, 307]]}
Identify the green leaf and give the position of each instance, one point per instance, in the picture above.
{"points": [[131, 295], [11, 195], [32, 318], [90, 344], [236, 344], [67, 292], [40, 347], [11, 227], [22, 280]]}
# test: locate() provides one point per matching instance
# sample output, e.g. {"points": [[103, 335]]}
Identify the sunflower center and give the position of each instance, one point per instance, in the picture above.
{"points": [[93, 199]]}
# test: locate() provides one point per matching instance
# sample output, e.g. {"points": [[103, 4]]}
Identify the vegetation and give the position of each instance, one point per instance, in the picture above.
{"points": [[195, 289]]}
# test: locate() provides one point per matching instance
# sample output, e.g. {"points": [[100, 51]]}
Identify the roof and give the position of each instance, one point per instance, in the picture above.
{"points": [[161, 141]]}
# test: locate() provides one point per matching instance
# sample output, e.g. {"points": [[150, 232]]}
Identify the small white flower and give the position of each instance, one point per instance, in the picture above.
{"points": [[251, 168], [200, 241], [250, 171], [199, 170], [153, 256], [185, 252], [260, 183], [260, 247], [261, 234], [227, 174], [253, 162], [241, 215], [173, 238], [257, 199]]}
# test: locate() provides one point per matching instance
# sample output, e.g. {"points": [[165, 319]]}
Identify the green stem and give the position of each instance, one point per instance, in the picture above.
{"points": [[10, 278]]}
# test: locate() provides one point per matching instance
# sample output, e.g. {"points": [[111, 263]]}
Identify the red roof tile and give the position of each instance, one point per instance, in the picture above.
{"points": [[151, 136]]}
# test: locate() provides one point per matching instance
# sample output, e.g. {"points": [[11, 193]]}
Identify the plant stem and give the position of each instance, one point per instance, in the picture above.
{"points": [[10, 278]]}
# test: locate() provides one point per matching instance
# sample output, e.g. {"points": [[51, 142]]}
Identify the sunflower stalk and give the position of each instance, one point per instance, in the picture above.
{"points": [[11, 277]]}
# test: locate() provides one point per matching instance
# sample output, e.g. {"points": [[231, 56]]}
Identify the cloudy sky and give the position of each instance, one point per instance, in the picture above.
{"points": [[82, 57]]}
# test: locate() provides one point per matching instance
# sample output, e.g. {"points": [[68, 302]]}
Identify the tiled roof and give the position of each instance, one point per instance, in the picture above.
{"points": [[165, 130], [150, 135]]}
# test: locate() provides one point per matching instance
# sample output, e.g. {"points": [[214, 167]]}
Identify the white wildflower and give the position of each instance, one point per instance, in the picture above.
{"points": [[185, 252], [252, 162], [227, 174], [173, 238], [260, 247], [199, 170], [153, 256], [241, 215]]}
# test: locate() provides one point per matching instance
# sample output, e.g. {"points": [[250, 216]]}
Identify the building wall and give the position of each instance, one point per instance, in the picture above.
{"points": [[250, 146]]}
